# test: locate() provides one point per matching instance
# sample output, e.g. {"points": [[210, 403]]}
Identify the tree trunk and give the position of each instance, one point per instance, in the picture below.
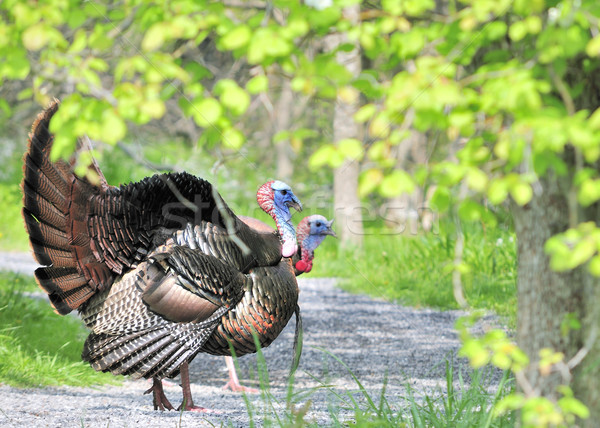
{"points": [[283, 118], [347, 207], [547, 297], [404, 213]]}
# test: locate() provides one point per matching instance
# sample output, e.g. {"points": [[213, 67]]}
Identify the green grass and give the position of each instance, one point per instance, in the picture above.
{"points": [[463, 404], [37, 346], [417, 270], [12, 230]]}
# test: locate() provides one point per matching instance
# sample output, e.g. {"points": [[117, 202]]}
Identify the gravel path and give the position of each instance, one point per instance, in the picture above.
{"points": [[372, 337]]}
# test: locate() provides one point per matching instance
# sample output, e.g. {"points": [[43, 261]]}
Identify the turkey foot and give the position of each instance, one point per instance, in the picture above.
{"points": [[159, 399], [192, 408], [234, 382]]}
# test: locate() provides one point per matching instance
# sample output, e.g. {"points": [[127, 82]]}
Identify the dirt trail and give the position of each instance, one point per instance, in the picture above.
{"points": [[372, 337]]}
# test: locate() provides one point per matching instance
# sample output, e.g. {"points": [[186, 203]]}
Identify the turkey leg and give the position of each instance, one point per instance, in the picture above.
{"points": [[234, 382], [188, 402]]}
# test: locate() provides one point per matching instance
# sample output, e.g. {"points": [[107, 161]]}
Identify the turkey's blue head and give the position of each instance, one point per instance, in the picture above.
{"points": [[276, 198], [312, 230]]}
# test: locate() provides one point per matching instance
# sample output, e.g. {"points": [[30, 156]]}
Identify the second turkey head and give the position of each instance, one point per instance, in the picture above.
{"points": [[275, 198], [312, 230]]}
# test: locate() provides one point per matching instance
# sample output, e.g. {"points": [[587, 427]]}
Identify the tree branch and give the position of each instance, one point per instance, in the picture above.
{"points": [[245, 4]]}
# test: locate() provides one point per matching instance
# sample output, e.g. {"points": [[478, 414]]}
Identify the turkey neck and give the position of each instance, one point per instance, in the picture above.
{"points": [[270, 298], [282, 217], [265, 248]]}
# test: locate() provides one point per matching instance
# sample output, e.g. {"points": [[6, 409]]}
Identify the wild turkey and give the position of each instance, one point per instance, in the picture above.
{"points": [[158, 267], [310, 233]]}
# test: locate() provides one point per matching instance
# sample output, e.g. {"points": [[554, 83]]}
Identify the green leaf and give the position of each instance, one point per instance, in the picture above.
{"points": [[113, 127], [589, 192], [325, 155], [501, 361], [380, 126], [258, 84], [497, 191], [559, 252], [533, 24], [495, 30], [36, 37], [15, 66], [594, 265], [393, 7], [510, 402], [351, 148], [297, 27], [582, 252], [79, 42], [236, 38], [154, 108], [470, 211], [265, 43], [569, 323], [76, 18], [478, 355], [517, 31], [232, 96], [233, 139], [365, 113], [368, 181], [396, 183], [594, 119], [521, 192], [99, 38], [477, 179], [574, 406], [546, 160], [593, 46], [206, 112], [281, 136], [63, 145], [441, 198], [155, 37], [5, 107]]}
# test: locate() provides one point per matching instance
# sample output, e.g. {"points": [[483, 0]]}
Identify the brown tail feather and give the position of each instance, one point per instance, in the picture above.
{"points": [[46, 233], [168, 365], [59, 279], [154, 352], [142, 361], [52, 189], [65, 301], [50, 256], [119, 354], [150, 367], [41, 209], [55, 213]]}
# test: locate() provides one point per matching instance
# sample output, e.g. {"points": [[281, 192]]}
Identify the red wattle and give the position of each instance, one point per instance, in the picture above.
{"points": [[301, 265]]}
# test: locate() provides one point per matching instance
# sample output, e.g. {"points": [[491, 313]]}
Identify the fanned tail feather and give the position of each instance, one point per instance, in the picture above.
{"points": [[54, 201], [154, 352]]}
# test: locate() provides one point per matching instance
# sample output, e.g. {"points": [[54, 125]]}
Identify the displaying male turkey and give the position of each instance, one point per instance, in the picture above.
{"points": [[310, 233], [158, 268]]}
